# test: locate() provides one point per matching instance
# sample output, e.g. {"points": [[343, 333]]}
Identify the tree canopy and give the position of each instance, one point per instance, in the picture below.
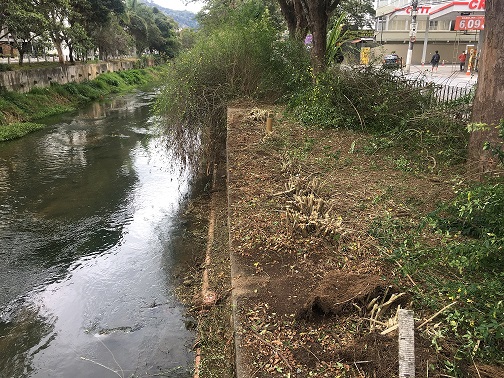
{"points": [[111, 27]]}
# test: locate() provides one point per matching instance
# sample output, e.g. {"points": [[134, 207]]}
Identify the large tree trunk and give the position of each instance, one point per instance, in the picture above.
{"points": [[488, 104], [318, 19], [21, 57], [314, 14], [287, 8]]}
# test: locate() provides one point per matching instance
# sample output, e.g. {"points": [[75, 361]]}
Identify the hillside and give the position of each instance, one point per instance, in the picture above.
{"points": [[184, 19]]}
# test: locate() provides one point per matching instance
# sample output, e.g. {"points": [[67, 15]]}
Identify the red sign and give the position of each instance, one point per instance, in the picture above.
{"points": [[470, 23], [477, 4]]}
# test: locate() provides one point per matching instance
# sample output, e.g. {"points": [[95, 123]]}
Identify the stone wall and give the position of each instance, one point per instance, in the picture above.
{"points": [[25, 80]]}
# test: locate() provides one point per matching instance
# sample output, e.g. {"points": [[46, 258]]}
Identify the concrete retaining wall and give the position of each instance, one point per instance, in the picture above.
{"points": [[25, 80]]}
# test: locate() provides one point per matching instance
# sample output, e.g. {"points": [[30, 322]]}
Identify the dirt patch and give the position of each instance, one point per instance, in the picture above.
{"points": [[338, 292], [486, 371]]}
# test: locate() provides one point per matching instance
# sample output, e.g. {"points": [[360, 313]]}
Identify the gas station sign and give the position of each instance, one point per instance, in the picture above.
{"points": [[470, 23]]}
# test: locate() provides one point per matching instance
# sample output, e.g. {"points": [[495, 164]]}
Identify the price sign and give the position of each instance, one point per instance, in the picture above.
{"points": [[470, 23]]}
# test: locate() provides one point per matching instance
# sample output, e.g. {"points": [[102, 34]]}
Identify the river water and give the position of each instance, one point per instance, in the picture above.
{"points": [[89, 211]]}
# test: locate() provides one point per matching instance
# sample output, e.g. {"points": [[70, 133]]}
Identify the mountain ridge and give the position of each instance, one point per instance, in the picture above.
{"points": [[184, 18]]}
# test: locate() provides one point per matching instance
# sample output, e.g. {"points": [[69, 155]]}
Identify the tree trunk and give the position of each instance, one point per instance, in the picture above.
{"points": [[71, 53], [59, 50], [318, 19], [488, 106], [287, 9], [295, 18], [301, 21], [21, 57]]}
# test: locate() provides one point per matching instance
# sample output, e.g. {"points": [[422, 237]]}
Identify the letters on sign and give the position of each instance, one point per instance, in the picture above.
{"points": [[421, 10], [477, 4]]}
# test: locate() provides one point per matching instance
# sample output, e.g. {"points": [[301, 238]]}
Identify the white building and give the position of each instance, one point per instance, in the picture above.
{"points": [[447, 26]]}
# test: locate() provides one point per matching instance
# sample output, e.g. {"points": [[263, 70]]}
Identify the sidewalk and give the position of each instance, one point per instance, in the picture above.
{"points": [[446, 75]]}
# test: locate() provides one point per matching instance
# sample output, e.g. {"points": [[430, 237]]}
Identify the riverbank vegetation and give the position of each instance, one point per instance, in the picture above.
{"points": [[237, 56], [19, 111], [445, 253]]}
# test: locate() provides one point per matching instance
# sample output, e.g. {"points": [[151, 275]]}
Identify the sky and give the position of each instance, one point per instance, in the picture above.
{"points": [[180, 5]]}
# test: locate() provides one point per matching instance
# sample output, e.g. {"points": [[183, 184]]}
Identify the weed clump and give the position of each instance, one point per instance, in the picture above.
{"points": [[17, 130], [398, 113]]}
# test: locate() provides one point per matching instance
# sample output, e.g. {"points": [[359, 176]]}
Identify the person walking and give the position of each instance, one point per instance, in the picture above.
{"points": [[462, 59], [435, 61]]}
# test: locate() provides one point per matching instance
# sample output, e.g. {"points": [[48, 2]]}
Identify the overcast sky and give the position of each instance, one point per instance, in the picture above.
{"points": [[180, 5]]}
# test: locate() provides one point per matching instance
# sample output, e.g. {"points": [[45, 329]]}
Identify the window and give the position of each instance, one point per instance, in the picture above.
{"points": [[398, 25], [444, 25]]}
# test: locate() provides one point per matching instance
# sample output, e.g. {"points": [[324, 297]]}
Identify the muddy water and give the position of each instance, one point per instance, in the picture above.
{"points": [[88, 217]]}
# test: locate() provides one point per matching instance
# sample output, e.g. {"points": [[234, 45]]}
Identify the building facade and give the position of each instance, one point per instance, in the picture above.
{"points": [[447, 26], [6, 44]]}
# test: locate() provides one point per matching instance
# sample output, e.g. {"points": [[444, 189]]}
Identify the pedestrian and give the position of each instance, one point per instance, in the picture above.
{"points": [[435, 61], [462, 59]]}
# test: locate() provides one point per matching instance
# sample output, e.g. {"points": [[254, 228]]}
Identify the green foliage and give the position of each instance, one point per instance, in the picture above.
{"points": [[359, 13], [335, 38], [397, 112], [240, 57], [475, 212], [151, 30], [496, 150], [365, 98], [5, 67], [17, 130], [467, 266]]}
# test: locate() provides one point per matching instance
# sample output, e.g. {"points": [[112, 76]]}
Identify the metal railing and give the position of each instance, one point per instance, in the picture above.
{"points": [[443, 92]]}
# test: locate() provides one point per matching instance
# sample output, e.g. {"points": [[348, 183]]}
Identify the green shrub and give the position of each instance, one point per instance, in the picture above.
{"points": [[240, 58], [476, 212], [5, 67], [399, 114], [466, 267], [364, 98]]}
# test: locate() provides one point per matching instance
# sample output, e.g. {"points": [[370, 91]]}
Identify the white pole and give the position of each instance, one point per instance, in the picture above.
{"points": [[426, 40], [413, 30]]}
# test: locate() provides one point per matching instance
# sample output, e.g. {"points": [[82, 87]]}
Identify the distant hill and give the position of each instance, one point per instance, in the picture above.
{"points": [[184, 19]]}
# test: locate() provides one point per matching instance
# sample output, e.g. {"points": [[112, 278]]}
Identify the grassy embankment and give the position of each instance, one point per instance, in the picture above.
{"points": [[19, 111]]}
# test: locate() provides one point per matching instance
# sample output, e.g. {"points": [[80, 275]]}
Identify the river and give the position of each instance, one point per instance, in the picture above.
{"points": [[90, 211]]}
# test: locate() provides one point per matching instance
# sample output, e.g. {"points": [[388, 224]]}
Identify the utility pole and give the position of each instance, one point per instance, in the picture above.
{"points": [[412, 39]]}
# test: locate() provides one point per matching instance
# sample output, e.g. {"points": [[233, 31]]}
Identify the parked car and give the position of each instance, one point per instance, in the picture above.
{"points": [[392, 61]]}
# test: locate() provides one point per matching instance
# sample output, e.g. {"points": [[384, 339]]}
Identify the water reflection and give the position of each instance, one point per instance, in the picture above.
{"points": [[87, 209], [26, 329]]}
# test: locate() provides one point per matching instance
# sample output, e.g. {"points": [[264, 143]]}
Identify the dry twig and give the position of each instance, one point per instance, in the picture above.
{"points": [[435, 315], [275, 349]]}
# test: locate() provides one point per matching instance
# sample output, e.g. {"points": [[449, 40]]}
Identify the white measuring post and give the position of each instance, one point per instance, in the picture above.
{"points": [[406, 344]]}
